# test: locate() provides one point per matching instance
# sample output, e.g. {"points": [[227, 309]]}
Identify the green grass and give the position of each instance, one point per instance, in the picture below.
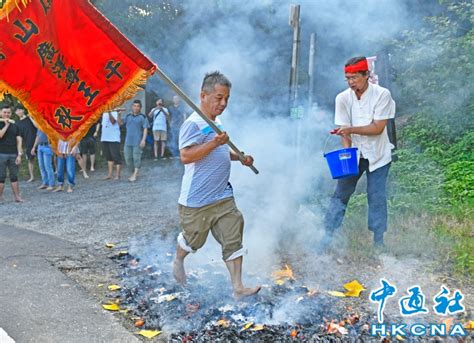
{"points": [[431, 201]]}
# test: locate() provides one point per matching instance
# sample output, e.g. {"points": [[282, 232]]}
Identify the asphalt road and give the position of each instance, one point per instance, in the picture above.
{"points": [[52, 255]]}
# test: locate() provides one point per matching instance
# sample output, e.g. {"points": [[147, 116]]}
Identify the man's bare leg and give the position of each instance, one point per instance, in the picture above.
{"points": [[2, 187], [84, 161], [16, 192], [155, 149], [235, 269], [110, 166], [163, 146], [93, 162], [117, 174], [178, 265], [31, 167]]}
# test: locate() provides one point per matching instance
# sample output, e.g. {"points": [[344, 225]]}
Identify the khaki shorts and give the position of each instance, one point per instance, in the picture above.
{"points": [[222, 218], [160, 135]]}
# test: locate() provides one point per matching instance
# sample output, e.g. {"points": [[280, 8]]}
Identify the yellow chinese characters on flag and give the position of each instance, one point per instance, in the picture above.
{"points": [[66, 63]]}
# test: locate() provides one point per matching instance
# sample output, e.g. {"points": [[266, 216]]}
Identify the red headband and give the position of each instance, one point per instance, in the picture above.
{"points": [[359, 66]]}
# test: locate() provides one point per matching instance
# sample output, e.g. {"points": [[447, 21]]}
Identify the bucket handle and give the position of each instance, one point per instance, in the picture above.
{"points": [[326, 143]]}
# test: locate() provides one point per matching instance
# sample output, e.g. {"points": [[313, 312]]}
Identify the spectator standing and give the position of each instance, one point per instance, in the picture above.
{"points": [[160, 117], [110, 139], [66, 158], [10, 152], [87, 146], [177, 118], [28, 135], [136, 125], [45, 160]]}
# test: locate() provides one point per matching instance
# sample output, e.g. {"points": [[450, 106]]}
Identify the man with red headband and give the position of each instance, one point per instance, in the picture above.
{"points": [[362, 112]]}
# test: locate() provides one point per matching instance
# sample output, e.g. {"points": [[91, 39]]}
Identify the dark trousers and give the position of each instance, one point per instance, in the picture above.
{"points": [[376, 194]]}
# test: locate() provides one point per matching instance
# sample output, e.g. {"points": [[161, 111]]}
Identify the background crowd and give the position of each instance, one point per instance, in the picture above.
{"points": [[134, 134]]}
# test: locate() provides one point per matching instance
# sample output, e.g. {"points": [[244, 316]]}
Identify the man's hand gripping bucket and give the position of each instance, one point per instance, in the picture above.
{"points": [[343, 162]]}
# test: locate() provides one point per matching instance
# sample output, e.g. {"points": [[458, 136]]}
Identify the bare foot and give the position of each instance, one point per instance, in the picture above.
{"points": [[85, 175], [49, 188], [42, 187], [132, 179], [92, 169], [69, 189], [108, 177], [179, 273], [246, 292], [58, 189], [18, 199], [117, 178], [31, 179]]}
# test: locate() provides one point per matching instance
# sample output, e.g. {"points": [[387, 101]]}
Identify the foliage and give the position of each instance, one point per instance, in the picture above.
{"points": [[431, 186]]}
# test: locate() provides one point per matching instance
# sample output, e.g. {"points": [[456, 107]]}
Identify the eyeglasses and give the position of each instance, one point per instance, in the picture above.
{"points": [[352, 78]]}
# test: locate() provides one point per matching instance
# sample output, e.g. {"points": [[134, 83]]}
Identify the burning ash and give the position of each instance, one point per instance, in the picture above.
{"points": [[205, 311]]}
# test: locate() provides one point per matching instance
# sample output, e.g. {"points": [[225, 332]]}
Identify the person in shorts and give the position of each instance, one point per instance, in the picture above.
{"points": [[110, 139], [87, 146], [160, 116], [206, 202], [10, 152]]}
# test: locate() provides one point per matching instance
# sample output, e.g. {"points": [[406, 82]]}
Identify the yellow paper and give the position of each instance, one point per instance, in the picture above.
{"points": [[247, 326], [223, 323], [400, 338], [337, 294], [170, 297], [113, 287], [469, 325], [109, 245], [149, 333], [354, 288], [258, 327], [111, 307], [280, 282]]}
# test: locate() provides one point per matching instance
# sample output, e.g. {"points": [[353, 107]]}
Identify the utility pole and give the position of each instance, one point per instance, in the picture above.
{"points": [[312, 50], [295, 23]]}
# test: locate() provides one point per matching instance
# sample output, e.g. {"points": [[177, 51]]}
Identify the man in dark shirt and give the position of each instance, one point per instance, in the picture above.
{"points": [[178, 116], [28, 135], [87, 145], [10, 152]]}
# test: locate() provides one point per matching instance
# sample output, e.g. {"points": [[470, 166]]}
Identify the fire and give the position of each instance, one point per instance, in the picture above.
{"points": [[283, 274], [337, 328]]}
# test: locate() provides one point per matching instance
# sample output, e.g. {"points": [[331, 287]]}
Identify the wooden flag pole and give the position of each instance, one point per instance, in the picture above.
{"points": [[191, 104]]}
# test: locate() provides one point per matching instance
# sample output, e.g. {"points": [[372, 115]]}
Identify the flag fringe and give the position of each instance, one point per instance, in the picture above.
{"points": [[10, 5], [127, 92]]}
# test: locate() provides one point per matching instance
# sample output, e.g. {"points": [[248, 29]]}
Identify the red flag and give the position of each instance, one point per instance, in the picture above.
{"points": [[66, 63]]}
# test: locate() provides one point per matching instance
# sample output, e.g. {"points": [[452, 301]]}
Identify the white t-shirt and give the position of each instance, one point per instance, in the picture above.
{"points": [[110, 132], [205, 181], [375, 104], [159, 119], [65, 148]]}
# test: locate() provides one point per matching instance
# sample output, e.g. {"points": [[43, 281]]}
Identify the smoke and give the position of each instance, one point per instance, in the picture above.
{"points": [[251, 44]]}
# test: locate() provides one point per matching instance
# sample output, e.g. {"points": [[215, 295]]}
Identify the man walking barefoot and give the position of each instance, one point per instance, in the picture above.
{"points": [[207, 202]]}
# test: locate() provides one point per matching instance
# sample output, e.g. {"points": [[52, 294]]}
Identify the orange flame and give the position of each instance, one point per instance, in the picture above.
{"points": [[285, 273]]}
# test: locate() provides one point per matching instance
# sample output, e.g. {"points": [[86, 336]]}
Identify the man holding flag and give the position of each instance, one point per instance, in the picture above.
{"points": [[206, 202]]}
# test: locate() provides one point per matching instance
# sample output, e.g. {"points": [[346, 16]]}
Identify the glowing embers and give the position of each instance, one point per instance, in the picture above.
{"points": [[206, 311]]}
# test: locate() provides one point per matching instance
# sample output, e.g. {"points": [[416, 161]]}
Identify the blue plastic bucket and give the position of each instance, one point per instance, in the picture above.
{"points": [[343, 162]]}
